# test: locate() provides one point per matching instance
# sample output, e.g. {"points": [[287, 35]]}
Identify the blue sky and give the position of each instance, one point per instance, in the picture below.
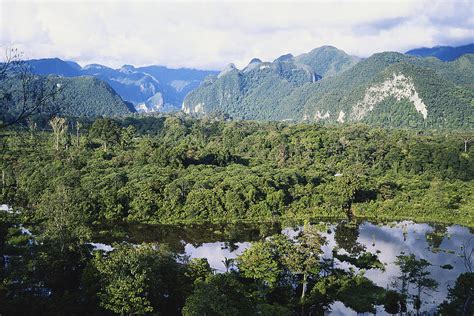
{"points": [[209, 35]]}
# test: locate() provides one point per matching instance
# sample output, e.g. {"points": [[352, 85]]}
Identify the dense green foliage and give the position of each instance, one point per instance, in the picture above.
{"points": [[172, 170], [263, 93], [67, 187], [137, 280]]}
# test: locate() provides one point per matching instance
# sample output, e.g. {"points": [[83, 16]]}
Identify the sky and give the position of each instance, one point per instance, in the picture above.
{"points": [[209, 35]]}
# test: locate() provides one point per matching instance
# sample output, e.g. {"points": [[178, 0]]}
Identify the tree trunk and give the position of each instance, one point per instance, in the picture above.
{"points": [[418, 301], [303, 292], [466, 305]]}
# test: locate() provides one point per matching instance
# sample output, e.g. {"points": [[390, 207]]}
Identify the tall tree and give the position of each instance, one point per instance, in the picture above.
{"points": [[64, 215], [106, 130], [59, 126], [304, 258], [141, 279], [415, 272]]}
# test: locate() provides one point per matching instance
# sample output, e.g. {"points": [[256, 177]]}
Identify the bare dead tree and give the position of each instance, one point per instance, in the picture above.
{"points": [[78, 129], [59, 126], [12, 60], [466, 142], [22, 93]]}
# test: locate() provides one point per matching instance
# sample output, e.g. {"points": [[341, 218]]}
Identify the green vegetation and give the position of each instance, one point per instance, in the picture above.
{"points": [[87, 96], [170, 170], [85, 176], [277, 275]]}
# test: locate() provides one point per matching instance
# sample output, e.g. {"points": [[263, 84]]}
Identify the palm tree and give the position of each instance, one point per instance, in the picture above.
{"points": [[228, 263]]}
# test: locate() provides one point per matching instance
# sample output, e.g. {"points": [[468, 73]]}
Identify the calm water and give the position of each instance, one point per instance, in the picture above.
{"points": [[439, 245]]}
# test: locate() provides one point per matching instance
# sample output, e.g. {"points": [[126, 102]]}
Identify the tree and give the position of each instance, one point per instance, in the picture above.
{"points": [[460, 297], [59, 126], [304, 259], [64, 215], [141, 279], [273, 260], [220, 294], [415, 272], [354, 290], [198, 269], [106, 130], [126, 136], [261, 262], [228, 263], [78, 129], [124, 273], [23, 94], [346, 188], [393, 302]]}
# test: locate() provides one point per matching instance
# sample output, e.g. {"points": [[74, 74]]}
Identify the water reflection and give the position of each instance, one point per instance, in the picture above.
{"points": [[216, 252], [439, 245]]}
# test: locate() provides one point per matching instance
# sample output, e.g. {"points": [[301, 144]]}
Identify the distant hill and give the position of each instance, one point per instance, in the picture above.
{"points": [[73, 96], [328, 86], [53, 66], [445, 53], [150, 88], [86, 96]]}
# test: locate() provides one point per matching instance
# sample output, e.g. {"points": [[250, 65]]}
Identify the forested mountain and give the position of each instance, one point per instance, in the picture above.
{"points": [[387, 89], [150, 88], [446, 53], [85, 96], [395, 90], [78, 96], [255, 92]]}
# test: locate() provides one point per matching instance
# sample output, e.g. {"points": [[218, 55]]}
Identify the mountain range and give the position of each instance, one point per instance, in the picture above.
{"points": [[149, 88], [445, 53], [327, 85]]}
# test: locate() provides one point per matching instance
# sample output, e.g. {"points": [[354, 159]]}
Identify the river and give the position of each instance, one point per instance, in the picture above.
{"points": [[438, 244]]}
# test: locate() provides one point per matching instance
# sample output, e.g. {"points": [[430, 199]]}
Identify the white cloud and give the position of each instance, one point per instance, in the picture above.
{"points": [[211, 34]]}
